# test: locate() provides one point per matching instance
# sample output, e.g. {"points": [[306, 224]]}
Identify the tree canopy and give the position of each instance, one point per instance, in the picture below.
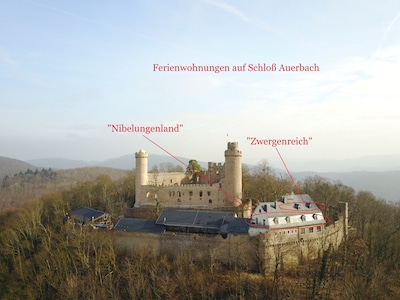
{"points": [[193, 166]]}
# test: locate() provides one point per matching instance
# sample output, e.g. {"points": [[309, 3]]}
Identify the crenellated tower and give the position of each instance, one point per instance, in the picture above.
{"points": [[141, 174], [233, 174]]}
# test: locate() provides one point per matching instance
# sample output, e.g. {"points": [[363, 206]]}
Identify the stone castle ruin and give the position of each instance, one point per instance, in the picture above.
{"points": [[218, 187], [203, 216]]}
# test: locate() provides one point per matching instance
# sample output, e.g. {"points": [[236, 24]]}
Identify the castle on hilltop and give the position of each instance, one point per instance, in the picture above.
{"points": [[219, 187], [204, 215]]}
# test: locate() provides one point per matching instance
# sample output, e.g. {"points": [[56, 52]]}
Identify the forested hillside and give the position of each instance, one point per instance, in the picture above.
{"points": [[10, 166], [22, 187], [44, 257]]}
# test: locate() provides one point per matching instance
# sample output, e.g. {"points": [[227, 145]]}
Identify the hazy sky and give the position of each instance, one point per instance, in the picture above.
{"points": [[69, 68]]}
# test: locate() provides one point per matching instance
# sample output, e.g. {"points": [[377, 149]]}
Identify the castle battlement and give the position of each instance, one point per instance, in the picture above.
{"points": [[285, 232], [157, 188]]}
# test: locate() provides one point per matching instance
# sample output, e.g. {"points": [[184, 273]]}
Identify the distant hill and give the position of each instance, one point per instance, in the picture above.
{"points": [[383, 185], [375, 163], [70, 177], [59, 163], [10, 166], [377, 174], [126, 162]]}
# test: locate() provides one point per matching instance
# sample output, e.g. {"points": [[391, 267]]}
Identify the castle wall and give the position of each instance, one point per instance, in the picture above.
{"points": [[282, 249], [286, 249], [215, 172], [172, 189], [191, 195], [235, 249], [169, 178]]}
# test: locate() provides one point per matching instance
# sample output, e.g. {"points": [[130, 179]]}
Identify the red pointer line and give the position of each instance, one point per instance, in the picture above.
{"points": [[290, 175], [168, 152], [328, 220], [201, 175]]}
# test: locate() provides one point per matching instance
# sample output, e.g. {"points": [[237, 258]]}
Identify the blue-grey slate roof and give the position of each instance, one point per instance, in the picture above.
{"points": [[236, 226], [86, 214], [194, 218], [224, 222], [138, 225]]}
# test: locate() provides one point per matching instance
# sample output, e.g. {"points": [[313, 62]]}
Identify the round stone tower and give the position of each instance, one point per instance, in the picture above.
{"points": [[233, 174], [141, 177]]}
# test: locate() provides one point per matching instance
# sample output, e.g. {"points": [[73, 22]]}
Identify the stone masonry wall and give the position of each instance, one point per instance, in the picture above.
{"points": [[235, 249]]}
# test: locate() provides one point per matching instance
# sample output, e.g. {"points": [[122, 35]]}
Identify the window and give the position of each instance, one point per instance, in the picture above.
{"points": [[319, 228], [311, 229], [190, 193], [302, 230], [208, 193], [303, 217], [287, 219], [201, 193], [210, 201], [179, 194]]}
